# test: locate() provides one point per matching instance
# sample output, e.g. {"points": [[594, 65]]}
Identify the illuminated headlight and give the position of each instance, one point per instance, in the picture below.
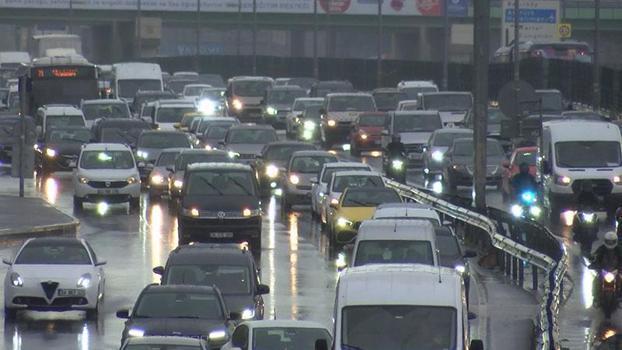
{"points": [[208, 147], [294, 179], [135, 332], [50, 152], [157, 179], [321, 194], [271, 110], [563, 180], [341, 262], [397, 164], [233, 154], [609, 277], [178, 184], [517, 210], [528, 197], [307, 134], [142, 154], [237, 105], [363, 136], [272, 171], [83, 180], [437, 156], [617, 180], [535, 211], [309, 125], [460, 268], [588, 217], [131, 180], [206, 106], [248, 314], [343, 222], [251, 212], [331, 123], [16, 280], [217, 335], [84, 281], [192, 212], [334, 201]]}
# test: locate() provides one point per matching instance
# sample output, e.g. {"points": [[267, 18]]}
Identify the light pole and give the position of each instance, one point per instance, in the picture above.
{"points": [[254, 37], [380, 45], [139, 44], [316, 68], [239, 25], [596, 63], [197, 49], [71, 17], [516, 53], [445, 46]]}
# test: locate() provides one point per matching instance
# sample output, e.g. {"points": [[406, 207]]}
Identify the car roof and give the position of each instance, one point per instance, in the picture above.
{"points": [[386, 90], [309, 99], [162, 132], [284, 324], [179, 102], [252, 126], [416, 83], [104, 101], [414, 113], [287, 88], [216, 165], [446, 93], [346, 165], [202, 151], [357, 173], [370, 189], [185, 288], [206, 253], [289, 143], [453, 131], [64, 109], [69, 127], [250, 78], [53, 240], [122, 120], [396, 229], [167, 340], [348, 94], [311, 153], [173, 149], [106, 147]]}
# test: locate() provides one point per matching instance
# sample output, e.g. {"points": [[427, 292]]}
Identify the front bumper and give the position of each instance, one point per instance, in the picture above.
{"points": [[33, 297], [337, 133], [88, 193]]}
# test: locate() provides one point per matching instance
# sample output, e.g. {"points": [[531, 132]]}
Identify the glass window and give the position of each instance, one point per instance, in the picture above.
{"points": [[466, 148], [230, 279], [252, 136], [413, 92], [53, 253], [163, 140], [342, 182], [120, 135], [388, 100], [525, 157], [129, 87], [178, 85], [185, 159], [301, 105], [372, 120], [251, 88], [172, 114], [328, 173], [310, 165], [587, 154], [63, 120], [283, 152], [416, 122], [394, 252], [445, 139], [94, 111], [284, 97], [239, 338], [449, 250], [69, 136], [193, 90], [364, 199], [287, 338], [351, 104], [178, 305], [447, 102], [106, 160], [217, 131], [167, 159], [221, 182], [313, 112], [398, 327]]}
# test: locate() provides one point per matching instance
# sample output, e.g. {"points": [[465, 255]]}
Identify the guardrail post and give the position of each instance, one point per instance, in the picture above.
{"points": [[534, 277], [514, 269], [508, 263], [521, 273]]}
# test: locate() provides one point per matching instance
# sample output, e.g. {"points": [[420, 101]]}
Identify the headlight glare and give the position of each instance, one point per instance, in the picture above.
{"points": [[535, 211], [397, 164], [272, 171], [50, 152], [217, 335], [609, 277], [84, 281], [131, 180], [343, 222], [178, 184], [294, 179], [237, 104], [83, 180], [248, 314], [135, 332], [517, 210], [437, 156], [331, 123], [16, 280], [460, 268], [271, 110], [157, 179], [309, 125]]}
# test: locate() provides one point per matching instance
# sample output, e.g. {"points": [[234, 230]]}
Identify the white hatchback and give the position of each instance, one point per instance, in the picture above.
{"points": [[106, 172], [277, 334]]}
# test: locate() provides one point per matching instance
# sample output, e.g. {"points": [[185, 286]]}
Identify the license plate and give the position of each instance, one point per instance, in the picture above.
{"points": [[221, 235], [107, 191], [71, 292]]}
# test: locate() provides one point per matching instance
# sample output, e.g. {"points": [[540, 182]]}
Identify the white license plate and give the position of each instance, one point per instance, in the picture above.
{"points": [[71, 292], [108, 191], [221, 235]]}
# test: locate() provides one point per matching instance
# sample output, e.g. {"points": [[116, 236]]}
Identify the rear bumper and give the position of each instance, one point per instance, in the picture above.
{"points": [[211, 230]]}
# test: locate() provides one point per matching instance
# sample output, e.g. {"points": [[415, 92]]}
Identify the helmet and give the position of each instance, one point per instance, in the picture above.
{"points": [[611, 240], [396, 138], [523, 168]]}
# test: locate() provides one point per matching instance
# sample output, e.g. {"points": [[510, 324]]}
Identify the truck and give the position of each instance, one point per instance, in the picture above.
{"points": [[131, 77]]}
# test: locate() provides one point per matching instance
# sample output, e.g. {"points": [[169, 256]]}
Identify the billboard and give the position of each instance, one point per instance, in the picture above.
{"points": [[538, 20]]}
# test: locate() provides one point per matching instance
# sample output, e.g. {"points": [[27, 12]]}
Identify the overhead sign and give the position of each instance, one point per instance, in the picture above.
{"points": [[538, 20], [457, 8], [564, 30]]}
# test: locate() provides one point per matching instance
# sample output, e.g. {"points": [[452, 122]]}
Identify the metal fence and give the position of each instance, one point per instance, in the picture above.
{"points": [[520, 244]]}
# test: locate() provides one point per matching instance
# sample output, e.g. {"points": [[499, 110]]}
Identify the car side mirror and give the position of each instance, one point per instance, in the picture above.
{"points": [[123, 313], [321, 344], [235, 316], [101, 263], [263, 289], [469, 254], [170, 169], [158, 270], [476, 344], [505, 163], [7, 261]]}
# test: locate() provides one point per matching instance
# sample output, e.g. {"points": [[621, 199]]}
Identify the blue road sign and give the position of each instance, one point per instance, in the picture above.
{"points": [[532, 16], [457, 8]]}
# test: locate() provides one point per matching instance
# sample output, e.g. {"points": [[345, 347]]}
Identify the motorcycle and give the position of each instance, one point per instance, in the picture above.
{"points": [[396, 168], [527, 206], [585, 229], [609, 291]]}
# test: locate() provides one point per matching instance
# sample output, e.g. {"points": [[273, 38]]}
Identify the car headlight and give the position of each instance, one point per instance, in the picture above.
{"points": [[397, 164], [16, 280], [437, 156], [343, 222], [251, 212], [142, 154], [84, 281], [157, 179], [460, 268], [535, 211], [83, 180], [272, 171], [271, 110], [191, 212], [563, 180], [50, 152], [588, 217], [609, 277], [364, 136], [178, 184], [331, 123], [131, 180], [617, 180], [294, 179], [208, 147], [217, 335], [136, 332], [309, 125], [458, 167], [237, 104], [517, 210], [342, 261], [206, 106], [248, 314]]}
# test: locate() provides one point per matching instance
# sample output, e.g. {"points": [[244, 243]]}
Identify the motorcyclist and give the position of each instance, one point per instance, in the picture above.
{"points": [[523, 180], [587, 199], [395, 148], [608, 256]]}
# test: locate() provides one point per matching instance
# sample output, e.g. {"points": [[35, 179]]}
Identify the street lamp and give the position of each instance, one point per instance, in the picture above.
{"points": [[380, 45], [316, 68], [254, 37]]}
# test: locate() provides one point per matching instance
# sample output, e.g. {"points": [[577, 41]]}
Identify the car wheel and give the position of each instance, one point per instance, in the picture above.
{"points": [[134, 204], [77, 204], [91, 314], [9, 314]]}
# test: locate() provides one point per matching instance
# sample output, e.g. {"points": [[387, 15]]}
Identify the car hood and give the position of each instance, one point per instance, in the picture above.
{"points": [[344, 116], [108, 174], [176, 326], [245, 148], [220, 203], [72, 149], [51, 272], [415, 137], [237, 303], [356, 213]]}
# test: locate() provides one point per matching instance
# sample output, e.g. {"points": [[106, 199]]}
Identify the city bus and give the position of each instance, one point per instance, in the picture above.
{"points": [[557, 50]]}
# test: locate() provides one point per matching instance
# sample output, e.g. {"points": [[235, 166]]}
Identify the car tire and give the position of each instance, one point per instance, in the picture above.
{"points": [[134, 205], [77, 204], [10, 314], [91, 314]]}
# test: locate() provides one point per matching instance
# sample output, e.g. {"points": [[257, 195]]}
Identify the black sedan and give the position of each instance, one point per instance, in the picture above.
{"points": [[458, 166], [60, 148]]}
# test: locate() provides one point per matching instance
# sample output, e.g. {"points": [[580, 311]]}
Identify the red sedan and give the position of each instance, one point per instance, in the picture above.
{"points": [[510, 168], [367, 132]]}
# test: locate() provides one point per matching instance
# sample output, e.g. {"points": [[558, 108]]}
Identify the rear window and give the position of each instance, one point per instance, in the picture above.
{"points": [[310, 165], [343, 182], [351, 103], [328, 173], [394, 252], [167, 158], [221, 182]]}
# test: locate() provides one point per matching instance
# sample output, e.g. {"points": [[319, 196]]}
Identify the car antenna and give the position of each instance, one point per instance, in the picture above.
{"points": [[440, 280]]}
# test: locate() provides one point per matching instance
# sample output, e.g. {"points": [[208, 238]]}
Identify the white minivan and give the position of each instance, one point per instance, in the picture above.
{"points": [[401, 307], [581, 153]]}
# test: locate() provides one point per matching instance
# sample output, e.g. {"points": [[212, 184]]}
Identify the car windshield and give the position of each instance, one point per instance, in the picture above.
{"points": [[69, 136], [94, 111], [342, 182], [213, 94], [167, 159], [287, 338], [465, 149], [413, 92], [416, 122], [372, 120], [587, 154], [313, 112], [351, 103], [129, 87], [221, 182], [172, 114], [447, 102], [217, 131], [251, 88], [251, 136], [163, 140], [283, 152], [53, 253], [394, 252], [284, 97], [310, 164], [449, 250], [525, 157], [179, 305], [230, 279], [365, 199], [63, 120], [445, 139], [398, 327], [194, 90], [328, 173], [184, 159], [126, 135], [157, 346], [301, 105], [387, 100], [106, 160], [495, 116]]}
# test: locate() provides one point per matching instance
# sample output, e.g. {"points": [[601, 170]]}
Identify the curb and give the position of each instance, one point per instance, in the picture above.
{"points": [[68, 228]]}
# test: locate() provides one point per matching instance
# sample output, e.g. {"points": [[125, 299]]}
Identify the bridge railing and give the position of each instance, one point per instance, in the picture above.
{"points": [[520, 243]]}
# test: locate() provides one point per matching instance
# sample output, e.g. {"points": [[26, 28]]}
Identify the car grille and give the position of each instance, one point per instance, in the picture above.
{"points": [[602, 187], [414, 148], [490, 169], [58, 302], [49, 288], [107, 184], [220, 214]]}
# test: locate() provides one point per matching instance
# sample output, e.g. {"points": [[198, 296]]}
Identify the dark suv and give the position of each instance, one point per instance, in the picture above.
{"points": [[229, 267], [220, 204]]}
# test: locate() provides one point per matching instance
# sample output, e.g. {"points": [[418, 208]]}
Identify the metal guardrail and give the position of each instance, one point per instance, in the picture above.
{"points": [[521, 243]]}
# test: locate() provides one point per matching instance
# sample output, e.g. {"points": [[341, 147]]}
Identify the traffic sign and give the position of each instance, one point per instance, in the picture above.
{"points": [[564, 30]]}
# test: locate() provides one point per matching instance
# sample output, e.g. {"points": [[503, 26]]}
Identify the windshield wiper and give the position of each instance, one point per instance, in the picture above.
{"points": [[242, 187], [210, 185], [188, 317]]}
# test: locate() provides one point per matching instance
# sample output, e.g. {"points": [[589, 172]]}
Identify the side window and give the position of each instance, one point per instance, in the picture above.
{"points": [[239, 339]]}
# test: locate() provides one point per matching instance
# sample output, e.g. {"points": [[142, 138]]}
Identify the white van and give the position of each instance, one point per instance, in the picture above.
{"points": [[50, 116], [167, 113], [578, 151], [389, 241], [133, 76], [401, 307], [13, 59]]}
